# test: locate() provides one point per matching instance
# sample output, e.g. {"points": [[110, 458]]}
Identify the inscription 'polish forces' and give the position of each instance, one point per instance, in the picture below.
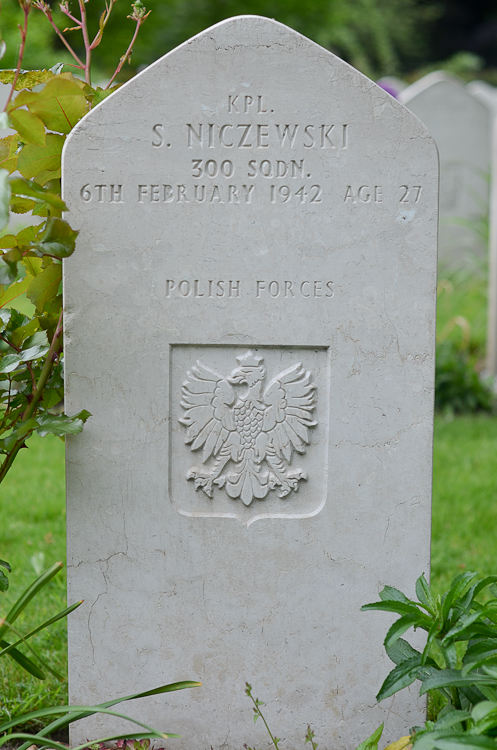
{"points": [[248, 429]]}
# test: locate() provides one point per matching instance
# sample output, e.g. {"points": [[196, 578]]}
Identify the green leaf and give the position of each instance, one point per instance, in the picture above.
{"points": [[451, 718], [58, 239], [27, 78], [389, 593], [399, 628], [400, 608], [424, 594], [23, 661], [34, 159], [30, 189], [401, 650], [458, 741], [454, 678], [44, 287], [44, 625], [9, 362], [372, 740], [61, 103], [30, 592], [4, 198], [478, 653], [5, 564], [58, 424], [400, 677], [4, 582], [75, 713], [29, 126], [457, 588]]}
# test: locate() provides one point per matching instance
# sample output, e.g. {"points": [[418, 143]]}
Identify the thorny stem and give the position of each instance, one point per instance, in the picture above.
{"points": [[52, 355], [26, 7], [127, 55]]}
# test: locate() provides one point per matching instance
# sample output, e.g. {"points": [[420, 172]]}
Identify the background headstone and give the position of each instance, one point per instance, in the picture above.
{"points": [[461, 128], [255, 277], [487, 94]]}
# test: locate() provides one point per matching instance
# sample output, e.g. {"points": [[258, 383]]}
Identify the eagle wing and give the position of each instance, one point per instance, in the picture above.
{"points": [[207, 398], [291, 399]]}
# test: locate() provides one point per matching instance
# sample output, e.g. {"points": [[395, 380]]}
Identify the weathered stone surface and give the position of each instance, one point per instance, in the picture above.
{"points": [[254, 278]]}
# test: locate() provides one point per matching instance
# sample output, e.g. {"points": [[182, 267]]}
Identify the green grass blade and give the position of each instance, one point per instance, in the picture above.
{"points": [[30, 592]]}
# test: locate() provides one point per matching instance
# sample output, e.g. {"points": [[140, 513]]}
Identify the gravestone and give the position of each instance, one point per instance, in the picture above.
{"points": [[487, 94], [461, 128], [250, 318]]}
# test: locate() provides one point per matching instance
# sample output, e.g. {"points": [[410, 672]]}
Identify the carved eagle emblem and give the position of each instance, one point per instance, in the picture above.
{"points": [[248, 433]]}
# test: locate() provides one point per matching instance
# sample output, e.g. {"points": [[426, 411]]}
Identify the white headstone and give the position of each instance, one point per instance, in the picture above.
{"points": [[487, 94], [461, 127], [250, 318]]}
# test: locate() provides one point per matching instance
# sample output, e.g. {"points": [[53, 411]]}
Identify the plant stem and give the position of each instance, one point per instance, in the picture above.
{"points": [[24, 30], [45, 374], [128, 52], [64, 40], [86, 39]]}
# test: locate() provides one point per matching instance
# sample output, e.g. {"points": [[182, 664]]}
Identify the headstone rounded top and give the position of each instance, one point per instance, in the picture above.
{"points": [[436, 82], [268, 40]]}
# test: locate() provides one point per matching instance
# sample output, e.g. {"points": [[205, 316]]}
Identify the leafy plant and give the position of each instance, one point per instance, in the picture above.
{"points": [[70, 714], [459, 660], [459, 388], [7, 625], [31, 360]]}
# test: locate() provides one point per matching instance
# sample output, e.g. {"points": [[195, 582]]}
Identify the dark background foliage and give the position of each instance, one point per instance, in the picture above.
{"points": [[380, 37]]}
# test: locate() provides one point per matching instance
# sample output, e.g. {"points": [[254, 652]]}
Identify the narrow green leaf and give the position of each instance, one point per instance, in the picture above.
{"points": [[372, 740], [23, 661], [30, 592], [400, 677], [451, 718], [424, 594], [399, 628], [458, 741], [29, 126], [401, 650], [58, 239], [457, 588], [44, 625], [65, 720], [399, 608], [389, 593], [4, 198], [454, 678]]}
